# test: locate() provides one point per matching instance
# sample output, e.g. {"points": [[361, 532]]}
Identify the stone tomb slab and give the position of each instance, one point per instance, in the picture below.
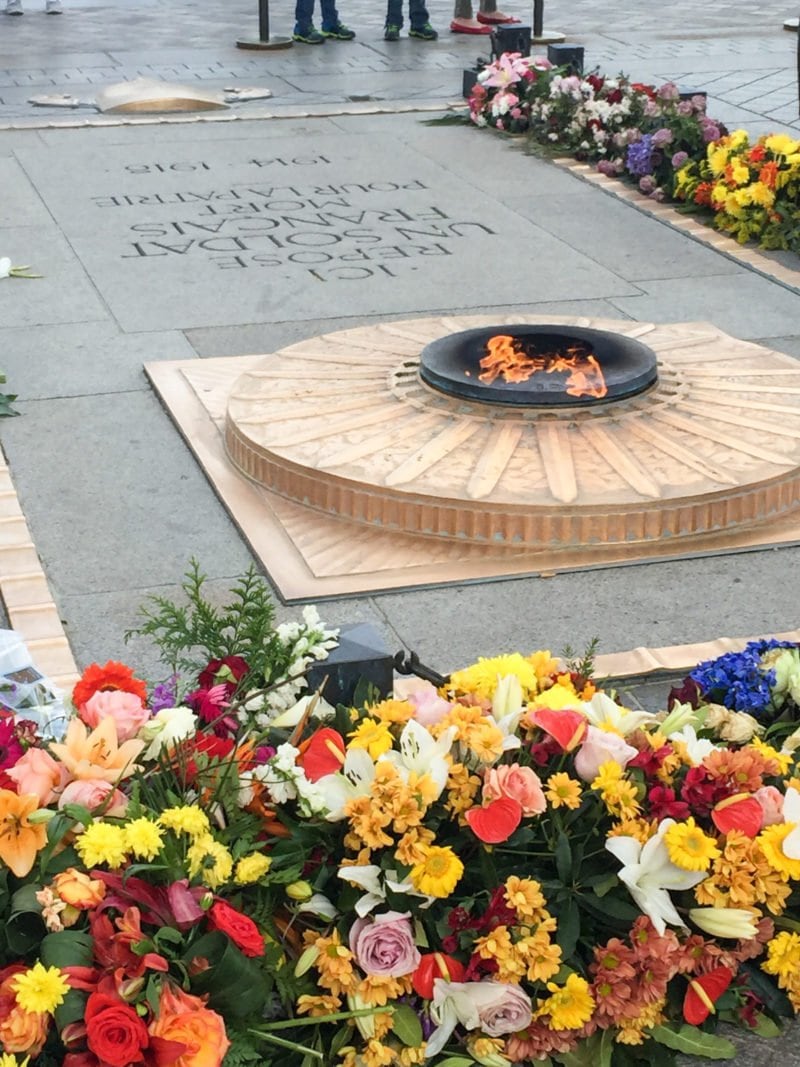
{"points": [[192, 234]]}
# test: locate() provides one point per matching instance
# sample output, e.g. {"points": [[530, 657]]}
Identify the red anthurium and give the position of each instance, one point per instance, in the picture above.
{"points": [[322, 754], [435, 965], [703, 992], [567, 727], [741, 812], [497, 821]]}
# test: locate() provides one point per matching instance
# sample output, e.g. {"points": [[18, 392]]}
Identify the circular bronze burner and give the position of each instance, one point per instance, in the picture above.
{"points": [[539, 366]]}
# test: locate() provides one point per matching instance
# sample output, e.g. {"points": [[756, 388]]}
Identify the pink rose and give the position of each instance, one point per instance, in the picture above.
{"points": [[500, 1007], [93, 793], [771, 802], [385, 945], [126, 709], [429, 707], [600, 747], [38, 773], [518, 783]]}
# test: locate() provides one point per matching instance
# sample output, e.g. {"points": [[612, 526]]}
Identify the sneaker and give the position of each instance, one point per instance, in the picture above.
{"points": [[391, 33], [309, 36], [426, 32], [53, 7], [339, 32], [13, 7]]}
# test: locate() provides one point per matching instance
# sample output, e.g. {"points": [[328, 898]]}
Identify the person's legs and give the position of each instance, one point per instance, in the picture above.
{"points": [[53, 7], [394, 16], [420, 21], [304, 31], [14, 7], [463, 20], [332, 26], [489, 14]]}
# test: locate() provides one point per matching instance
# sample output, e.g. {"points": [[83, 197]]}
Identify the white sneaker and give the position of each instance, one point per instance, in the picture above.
{"points": [[53, 7], [14, 7]]}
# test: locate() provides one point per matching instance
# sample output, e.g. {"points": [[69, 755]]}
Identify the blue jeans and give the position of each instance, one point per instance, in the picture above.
{"points": [[417, 13], [304, 15]]}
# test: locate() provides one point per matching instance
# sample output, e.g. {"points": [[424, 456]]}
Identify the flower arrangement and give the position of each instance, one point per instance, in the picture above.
{"points": [[753, 190], [649, 136], [514, 868]]}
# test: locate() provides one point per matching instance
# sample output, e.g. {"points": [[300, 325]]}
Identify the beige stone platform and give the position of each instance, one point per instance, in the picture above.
{"points": [[706, 462]]}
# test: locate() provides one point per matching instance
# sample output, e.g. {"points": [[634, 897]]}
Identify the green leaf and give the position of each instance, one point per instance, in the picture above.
{"points": [[766, 1027], [563, 856], [456, 1061], [406, 1024], [67, 948], [72, 1009], [235, 984], [694, 1042], [24, 933], [568, 929]]}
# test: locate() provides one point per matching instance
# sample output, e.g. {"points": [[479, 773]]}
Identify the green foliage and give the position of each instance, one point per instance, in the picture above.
{"points": [[189, 635], [582, 664], [6, 399]]}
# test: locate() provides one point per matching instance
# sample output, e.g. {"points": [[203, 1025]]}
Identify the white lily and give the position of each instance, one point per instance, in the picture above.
{"points": [[725, 922], [449, 1008], [354, 780], [5, 266], [697, 748], [318, 905], [321, 710], [791, 813], [507, 697], [605, 713], [376, 881], [420, 753], [650, 874], [680, 716]]}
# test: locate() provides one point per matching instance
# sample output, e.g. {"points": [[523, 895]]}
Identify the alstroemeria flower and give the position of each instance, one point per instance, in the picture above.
{"points": [[420, 753], [650, 875]]}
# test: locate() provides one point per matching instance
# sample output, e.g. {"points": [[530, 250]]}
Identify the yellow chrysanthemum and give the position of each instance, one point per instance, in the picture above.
{"points": [[392, 711], [760, 194], [210, 860], [781, 144], [563, 791], [570, 1005], [689, 847], [524, 896], [783, 955], [784, 760], [556, 698], [718, 160], [143, 838], [372, 735], [543, 663], [7, 1060], [251, 868], [771, 841], [102, 843], [482, 677], [439, 873], [185, 820], [41, 989]]}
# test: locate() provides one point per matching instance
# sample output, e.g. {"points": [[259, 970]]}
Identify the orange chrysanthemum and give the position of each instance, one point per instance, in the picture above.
{"points": [[112, 676]]}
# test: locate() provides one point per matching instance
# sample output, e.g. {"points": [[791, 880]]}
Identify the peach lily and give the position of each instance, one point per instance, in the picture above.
{"points": [[97, 754], [19, 839]]}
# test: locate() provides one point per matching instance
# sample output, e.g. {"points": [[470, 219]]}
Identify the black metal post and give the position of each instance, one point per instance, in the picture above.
{"points": [[264, 42], [538, 17]]}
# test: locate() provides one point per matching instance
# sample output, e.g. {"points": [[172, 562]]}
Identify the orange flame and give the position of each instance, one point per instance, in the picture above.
{"points": [[504, 359]]}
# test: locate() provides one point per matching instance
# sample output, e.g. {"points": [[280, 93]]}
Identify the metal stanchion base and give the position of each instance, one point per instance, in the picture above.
{"points": [[256, 44], [549, 37], [791, 24]]}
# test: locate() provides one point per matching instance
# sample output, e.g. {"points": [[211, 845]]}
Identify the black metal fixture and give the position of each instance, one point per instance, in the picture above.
{"points": [[264, 42], [540, 34], [360, 656], [566, 55], [511, 39], [409, 663]]}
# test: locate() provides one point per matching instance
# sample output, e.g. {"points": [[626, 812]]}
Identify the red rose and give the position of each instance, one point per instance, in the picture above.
{"points": [[240, 929], [114, 1032]]}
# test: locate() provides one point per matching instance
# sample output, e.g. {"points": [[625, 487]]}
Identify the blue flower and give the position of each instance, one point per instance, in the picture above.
{"points": [[639, 160], [739, 680]]}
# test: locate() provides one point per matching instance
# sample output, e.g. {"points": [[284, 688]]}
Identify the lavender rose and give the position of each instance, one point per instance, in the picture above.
{"points": [[385, 945], [495, 1007]]}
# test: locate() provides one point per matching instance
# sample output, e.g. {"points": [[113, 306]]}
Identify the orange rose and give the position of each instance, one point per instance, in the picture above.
{"points": [[20, 1031], [78, 889], [186, 1019]]}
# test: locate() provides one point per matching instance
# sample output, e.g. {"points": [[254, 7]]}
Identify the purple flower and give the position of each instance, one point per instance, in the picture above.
{"points": [[385, 945], [658, 194], [685, 107], [711, 132], [662, 137], [668, 91], [699, 103], [647, 184], [164, 695], [606, 166], [679, 159], [639, 160]]}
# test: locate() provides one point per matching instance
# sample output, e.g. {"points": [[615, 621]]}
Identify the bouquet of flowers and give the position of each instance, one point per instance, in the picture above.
{"points": [[513, 868], [752, 189]]}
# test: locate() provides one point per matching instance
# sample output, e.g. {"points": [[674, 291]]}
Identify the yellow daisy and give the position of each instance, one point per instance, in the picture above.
{"points": [[143, 839], [41, 989], [569, 1006], [102, 843], [373, 735], [689, 848], [438, 873]]}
